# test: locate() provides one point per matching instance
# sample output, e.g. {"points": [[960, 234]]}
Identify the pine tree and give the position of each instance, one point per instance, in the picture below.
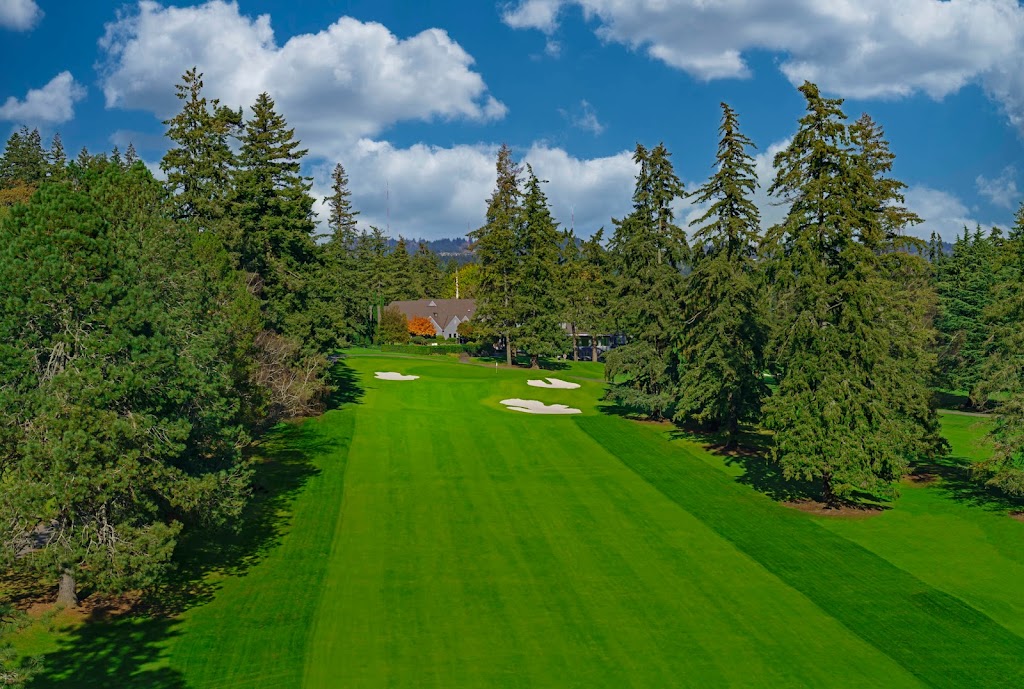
{"points": [[498, 254], [130, 156], [722, 333], [199, 165], [1003, 370], [538, 330], [120, 419], [648, 250]]}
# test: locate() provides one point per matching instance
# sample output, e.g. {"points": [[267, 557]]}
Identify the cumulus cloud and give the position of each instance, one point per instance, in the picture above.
{"points": [[19, 15], [865, 49], [1001, 190], [348, 81], [941, 211], [430, 191], [51, 104]]}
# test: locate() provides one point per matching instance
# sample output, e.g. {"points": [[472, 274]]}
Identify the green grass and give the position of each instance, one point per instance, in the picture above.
{"points": [[425, 536]]}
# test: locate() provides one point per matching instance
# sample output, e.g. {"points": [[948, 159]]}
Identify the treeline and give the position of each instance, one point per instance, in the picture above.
{"points": [[149, 332], [829, 329]]}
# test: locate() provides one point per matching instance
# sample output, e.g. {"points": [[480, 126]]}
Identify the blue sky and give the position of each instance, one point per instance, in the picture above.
{"points": [[414, 97]]}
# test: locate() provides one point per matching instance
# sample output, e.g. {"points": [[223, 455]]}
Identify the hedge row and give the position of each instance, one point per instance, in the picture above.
{"points": [[428, 349]]}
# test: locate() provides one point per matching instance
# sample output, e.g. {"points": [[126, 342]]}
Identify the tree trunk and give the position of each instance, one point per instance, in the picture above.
{"points": [[534, 361], [827, 496], [575, 344], [593, 348], [67, 594], [508, 350]]}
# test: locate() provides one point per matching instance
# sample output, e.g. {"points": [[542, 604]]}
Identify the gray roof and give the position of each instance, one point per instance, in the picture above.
{"points": [[442, 311]]}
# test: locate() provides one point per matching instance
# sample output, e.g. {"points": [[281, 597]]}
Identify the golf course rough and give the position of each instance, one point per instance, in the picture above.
{"points": [[444, 542]]}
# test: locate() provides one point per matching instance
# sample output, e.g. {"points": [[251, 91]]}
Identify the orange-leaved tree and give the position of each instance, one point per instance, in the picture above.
{"points": [[422, 326]]}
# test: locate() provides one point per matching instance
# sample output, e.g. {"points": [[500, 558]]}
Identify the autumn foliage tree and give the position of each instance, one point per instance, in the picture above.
{"points": [[422, 326]]}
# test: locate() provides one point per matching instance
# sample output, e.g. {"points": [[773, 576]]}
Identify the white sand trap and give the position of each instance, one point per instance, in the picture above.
{"points": [[391, 375], [553, 383], [535, 407]]}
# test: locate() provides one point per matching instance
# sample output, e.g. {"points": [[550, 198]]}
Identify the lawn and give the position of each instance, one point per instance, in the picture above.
{"points": [[422, 535]]}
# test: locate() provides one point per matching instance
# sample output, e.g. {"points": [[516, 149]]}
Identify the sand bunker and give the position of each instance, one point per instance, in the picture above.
{"points": [[535, 407], [553, 383], [391, 375]]}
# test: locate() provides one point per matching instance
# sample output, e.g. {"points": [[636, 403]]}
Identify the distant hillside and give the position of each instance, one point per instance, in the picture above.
{"points": [[449, 247]]}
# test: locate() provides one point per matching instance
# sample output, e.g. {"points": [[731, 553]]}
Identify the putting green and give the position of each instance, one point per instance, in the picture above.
{"points": [[446, 541]]}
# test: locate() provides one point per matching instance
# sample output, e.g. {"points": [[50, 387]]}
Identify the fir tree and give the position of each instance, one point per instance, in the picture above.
{"points": [[648, 251], [427, 273], [538, 330], [401, 282], [58, 159], [199, 164], [274, 211], [722, 334], [498, 254], [850, 410], [1003, 371], [24, 162]]}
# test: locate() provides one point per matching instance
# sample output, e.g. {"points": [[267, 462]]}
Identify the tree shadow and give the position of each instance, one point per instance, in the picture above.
{"points": [[751, 455], [283, 467], [958, 478], [345, 384], [123, 652]]}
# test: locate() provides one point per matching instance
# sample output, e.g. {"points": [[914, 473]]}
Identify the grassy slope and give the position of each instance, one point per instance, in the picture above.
{"points": [[455, 543]]}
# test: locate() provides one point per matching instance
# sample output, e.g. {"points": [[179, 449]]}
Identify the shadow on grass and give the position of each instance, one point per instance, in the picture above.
{"points": [[346, 386], [114, 653], [751, 456], [523, 361], [962, 482]]}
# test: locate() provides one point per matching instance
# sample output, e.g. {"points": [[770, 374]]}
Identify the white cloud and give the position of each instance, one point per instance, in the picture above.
{"points": [[584, 117], [348, 81], [942, 213], [51, 104], [862, 49], [1002, 190], [442, 192], [19, 15]]}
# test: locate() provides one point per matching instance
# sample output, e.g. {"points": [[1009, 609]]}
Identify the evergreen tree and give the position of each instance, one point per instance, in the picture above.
{"points": [[427, 273], [965, 287], [498, 254], [58, 159], [24, 162], [538, 330], [199, 165], [722, 334], [119, 423], [130, 156], [401, 282], [648, 250], [850, 410], [1003, 370], [275, 215]]}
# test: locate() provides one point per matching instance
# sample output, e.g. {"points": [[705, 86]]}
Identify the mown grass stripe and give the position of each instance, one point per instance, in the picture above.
{"points": [[935, 636]]}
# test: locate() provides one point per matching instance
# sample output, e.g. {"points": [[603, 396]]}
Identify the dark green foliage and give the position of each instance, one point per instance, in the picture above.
{"points": [[498, 254], [123, 421], [965, 283], [339, 282], [648, 252], [722, 333], [427, 273], [538, 330], [24, 161], [1003, 371], [401, 280], [851, 409], [393, 327], [199, 165]]}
